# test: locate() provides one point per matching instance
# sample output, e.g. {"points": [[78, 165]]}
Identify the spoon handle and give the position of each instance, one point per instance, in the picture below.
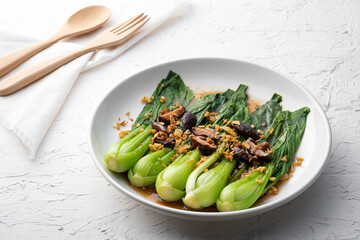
{"points": [[14, 59], [29, 75]]}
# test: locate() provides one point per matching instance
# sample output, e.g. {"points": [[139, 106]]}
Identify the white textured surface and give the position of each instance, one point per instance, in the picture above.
{"points": [[61, 195]]}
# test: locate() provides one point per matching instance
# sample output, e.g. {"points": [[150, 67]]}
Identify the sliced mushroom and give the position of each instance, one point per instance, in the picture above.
{"points": [[166, 143], [203, 145], [240, 154], [188, 121], [206, 132], [166, 110], [245, 130], [158, 127], [166, 115], [266, 158], [264, 146], [255, 150]]}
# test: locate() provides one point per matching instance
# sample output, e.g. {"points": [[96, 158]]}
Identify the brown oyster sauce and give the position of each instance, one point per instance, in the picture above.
{"points": [[151, 194]]}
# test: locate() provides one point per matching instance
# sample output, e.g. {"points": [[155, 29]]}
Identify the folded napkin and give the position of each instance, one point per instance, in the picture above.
{"points": [[29, 112]]}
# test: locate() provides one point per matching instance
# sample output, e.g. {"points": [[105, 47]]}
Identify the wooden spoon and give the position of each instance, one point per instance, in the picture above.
{"points": [[110, 37], [83, 21]]}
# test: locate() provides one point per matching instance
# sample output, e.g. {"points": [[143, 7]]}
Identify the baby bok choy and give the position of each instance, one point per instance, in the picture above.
{"points": [[243, 193], [204, 186], [170, 183], [285, 136], [123, 155], [288, 137], [145, 171]]}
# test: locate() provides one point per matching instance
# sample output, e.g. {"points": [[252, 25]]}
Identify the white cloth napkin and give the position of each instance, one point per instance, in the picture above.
{"points": [[29, 112]]}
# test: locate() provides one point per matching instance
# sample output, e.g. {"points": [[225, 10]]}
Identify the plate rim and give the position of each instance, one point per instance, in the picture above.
{"points": [[212, 215]]}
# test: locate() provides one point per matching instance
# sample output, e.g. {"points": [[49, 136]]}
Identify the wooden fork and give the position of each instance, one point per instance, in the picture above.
{"points": [[110, 37]]}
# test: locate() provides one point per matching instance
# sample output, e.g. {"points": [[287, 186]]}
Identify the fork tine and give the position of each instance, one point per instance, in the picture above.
{"points": [[123, 24], [131, 31], [131, 25]]}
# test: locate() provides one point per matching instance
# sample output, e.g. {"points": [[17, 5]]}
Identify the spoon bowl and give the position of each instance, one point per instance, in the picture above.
{"points": [[84, 20]]}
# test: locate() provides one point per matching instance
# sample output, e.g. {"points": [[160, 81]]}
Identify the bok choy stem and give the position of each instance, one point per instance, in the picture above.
{"points": [[243, 193], [170, 183], [204, 187]]}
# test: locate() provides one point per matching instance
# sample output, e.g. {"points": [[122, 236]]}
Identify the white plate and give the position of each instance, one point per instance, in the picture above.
{"points": [[214, 73]]}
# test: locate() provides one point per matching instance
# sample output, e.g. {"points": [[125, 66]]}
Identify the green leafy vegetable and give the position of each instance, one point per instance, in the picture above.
{"points": [[243, 193], [170, 183], [206, 193], [205, 185], [203, 188], [145, 171], [293, 126], [235, 108], [239, 100], [285, 119], [265, 113], [174, 91], [124, 154], [214, 103]]}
